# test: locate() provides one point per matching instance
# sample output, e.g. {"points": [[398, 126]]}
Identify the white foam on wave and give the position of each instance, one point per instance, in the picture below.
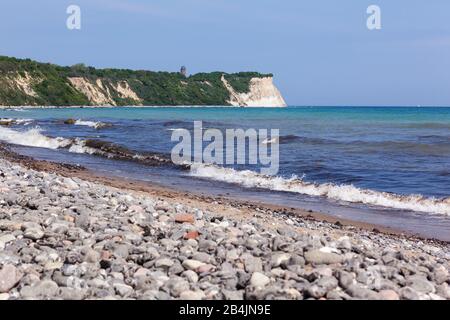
{"points": [[347, 193], [270, 141], [17, 121], [25, 122], [175, 129], [32, 138], [79, 146], [92, 124]]}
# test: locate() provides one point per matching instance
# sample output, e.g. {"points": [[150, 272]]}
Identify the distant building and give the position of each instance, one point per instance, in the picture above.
{"points": [[183, 71]]}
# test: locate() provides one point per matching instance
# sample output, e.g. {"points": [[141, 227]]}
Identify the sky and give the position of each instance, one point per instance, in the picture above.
{"points": [[320, 51]]}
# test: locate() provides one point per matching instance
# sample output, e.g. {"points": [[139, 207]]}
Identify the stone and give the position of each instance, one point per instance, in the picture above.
{"points": [[202, 257], [279, 259], [82, 221], [5, 239], [253, 264], [177, 286], [259, 280], [420, 284], [92, 256], [233, 295], [122, 289], [192, 264], [359, 292], [190, 275], [319, 257], [440, 274], [4, 296], [407, 293], [327, 282], [53, 265], [34, 233], [121, 250], [9, 277], [164, 263], [389, 295], [71, 294], [192, 295], [207, 245], [141, 272], [44, 289], [344, 243], [444, 290], [184, 218], [206, 268], [322, 286], [191, 235]]}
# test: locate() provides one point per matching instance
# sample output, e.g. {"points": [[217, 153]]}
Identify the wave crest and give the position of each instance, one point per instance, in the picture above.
{"points": [[347, 193], [34, 138], [92, 124]]}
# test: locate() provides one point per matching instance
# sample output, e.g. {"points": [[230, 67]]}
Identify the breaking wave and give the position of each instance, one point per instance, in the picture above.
{"points": [[34, 138], [11, 121], [92, 124], [347, 193]]}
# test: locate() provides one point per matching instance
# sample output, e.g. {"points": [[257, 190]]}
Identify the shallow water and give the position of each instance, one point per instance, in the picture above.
{"points": [[391, 162]]}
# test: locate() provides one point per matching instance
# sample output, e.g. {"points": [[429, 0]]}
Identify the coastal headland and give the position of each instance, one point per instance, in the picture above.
{"points": [[24, 82]]}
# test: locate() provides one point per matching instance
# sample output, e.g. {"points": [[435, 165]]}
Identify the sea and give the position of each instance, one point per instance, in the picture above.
{"points": [[388, 166]]}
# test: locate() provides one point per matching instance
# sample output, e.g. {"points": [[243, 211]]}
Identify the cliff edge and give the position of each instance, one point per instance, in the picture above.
{"points": [[24, 82], [262, 93]]}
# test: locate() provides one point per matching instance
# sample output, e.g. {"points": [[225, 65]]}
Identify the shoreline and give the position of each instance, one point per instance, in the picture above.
{"points": [[131, 185], [66, 233], [137, 107]]}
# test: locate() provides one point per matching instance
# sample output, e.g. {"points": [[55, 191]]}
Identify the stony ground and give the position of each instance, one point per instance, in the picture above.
{"points": [[64, 238]]}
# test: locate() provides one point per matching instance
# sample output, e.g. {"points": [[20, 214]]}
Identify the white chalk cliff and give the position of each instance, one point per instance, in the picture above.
{"points": [[262, 93]]}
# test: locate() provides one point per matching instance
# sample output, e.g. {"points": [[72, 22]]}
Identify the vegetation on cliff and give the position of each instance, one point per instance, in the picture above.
{"points": [[27, 82]]}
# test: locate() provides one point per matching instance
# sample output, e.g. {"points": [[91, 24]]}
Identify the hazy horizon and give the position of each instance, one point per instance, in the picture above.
{"points": [[321, 53]]}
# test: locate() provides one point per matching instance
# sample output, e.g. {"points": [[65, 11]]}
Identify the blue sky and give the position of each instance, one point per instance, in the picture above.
{"points": [[320, 51]]}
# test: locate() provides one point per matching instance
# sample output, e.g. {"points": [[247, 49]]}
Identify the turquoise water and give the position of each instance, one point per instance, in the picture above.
{"points": [[400, 150], [388, 158], [401, 114]]}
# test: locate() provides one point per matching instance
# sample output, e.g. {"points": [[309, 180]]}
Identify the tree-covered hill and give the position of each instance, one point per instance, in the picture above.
{"points": [[27, 82]]}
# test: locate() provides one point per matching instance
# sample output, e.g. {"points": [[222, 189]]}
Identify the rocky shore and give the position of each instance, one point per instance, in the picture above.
{"points": [[69, 238]]}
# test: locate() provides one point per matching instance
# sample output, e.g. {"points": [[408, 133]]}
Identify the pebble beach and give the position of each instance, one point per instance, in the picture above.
{"points": [[68, 238]]}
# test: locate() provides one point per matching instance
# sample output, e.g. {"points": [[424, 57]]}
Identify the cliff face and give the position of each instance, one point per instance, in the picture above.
{"points": [[262, 93], [30, 83], [101, 92]]}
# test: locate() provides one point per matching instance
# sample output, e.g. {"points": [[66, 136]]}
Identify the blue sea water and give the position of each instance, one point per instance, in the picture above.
{"points": [[404, 151]]}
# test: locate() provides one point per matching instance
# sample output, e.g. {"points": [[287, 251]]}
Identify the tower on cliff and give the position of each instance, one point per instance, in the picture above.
{"points": [[183, 71]]}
